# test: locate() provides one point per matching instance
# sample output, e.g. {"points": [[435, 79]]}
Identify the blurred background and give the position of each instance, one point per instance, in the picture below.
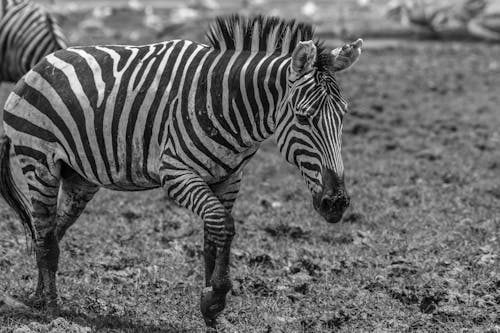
{"points": [[143, 21]]}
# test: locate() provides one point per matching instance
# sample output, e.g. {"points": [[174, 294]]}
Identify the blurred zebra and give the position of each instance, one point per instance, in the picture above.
{"points": [[436, 16], [179, 115], [27, 34]]}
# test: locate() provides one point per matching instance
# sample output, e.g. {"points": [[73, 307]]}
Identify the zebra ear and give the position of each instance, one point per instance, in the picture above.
{"points": [[304, 57], [345, 56]]}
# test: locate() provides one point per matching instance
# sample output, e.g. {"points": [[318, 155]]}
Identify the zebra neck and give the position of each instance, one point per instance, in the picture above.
{"points": [[256, 84]]}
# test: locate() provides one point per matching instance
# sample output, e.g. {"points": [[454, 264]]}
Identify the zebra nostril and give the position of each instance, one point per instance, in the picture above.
{"points": [[326, 204], [342, 203], [336, 204]]}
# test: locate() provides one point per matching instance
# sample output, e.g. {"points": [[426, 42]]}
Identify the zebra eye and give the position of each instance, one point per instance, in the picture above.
{"points": [[302, 119]]}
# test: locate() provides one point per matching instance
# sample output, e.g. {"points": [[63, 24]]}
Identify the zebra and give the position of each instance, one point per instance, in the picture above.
{"points": [[179, 115], [27, 34]]}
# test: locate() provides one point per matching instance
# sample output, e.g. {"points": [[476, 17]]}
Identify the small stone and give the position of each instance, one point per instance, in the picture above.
{"points": [[276, 204]]}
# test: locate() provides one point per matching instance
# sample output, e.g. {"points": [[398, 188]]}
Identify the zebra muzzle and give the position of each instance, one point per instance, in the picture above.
{"points": [[333, 207], [333, 200]]}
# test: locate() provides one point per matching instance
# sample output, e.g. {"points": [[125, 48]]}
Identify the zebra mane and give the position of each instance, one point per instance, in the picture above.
{"points": [[56, 32], [268, 34], [6, 4]]}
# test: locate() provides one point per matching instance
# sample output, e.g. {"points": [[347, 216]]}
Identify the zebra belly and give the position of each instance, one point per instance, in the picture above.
{"points": [[128, 172]]}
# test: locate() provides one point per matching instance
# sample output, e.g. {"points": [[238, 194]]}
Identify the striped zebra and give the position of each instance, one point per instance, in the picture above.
{"points": [[27, 34], [179, 115]]}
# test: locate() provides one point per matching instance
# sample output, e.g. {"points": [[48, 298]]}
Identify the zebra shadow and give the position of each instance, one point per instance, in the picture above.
{"points": [[123, 323], [97, 323]]}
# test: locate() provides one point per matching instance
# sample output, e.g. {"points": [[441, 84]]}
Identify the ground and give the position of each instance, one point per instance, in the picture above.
{"points": [[417, 251]]}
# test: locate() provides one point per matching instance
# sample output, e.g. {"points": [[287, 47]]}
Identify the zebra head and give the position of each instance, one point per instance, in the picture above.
{"points": [[309, 125]]}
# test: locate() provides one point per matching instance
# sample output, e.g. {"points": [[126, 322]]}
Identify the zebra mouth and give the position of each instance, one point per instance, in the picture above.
{"points": [[334, 218], [331, 216], [331, 209]]}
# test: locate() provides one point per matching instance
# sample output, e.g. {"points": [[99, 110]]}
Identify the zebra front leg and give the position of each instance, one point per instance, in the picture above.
{"points": [[217, 264], [226, 192], [190, 191], [209, 255], [217, 251]]}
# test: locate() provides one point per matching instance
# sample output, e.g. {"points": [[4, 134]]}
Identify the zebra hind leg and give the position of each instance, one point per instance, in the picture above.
{"points": [[74, 195], [52, 217], [43, 188]]}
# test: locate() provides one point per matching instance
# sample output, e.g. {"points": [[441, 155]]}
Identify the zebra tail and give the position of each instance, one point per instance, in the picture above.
{"points": [[9, 190]]}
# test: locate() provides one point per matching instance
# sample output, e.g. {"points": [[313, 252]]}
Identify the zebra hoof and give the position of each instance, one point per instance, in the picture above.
{"points": [[36, 301], [212, 303], [52, 310]]}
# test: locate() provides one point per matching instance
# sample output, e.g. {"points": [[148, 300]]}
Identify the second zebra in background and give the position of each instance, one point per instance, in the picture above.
{"points": [[27, 34]]}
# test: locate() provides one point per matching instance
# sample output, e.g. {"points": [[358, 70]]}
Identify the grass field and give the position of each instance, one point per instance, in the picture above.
{"points": [[416, 252]]}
